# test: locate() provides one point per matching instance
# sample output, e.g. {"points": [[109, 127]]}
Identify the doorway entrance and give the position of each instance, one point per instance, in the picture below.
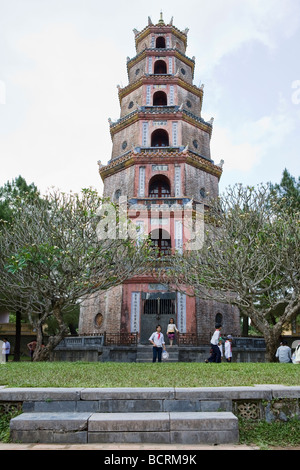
{"points": [[157, 309]]}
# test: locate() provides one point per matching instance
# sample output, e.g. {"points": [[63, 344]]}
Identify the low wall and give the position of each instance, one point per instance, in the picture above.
{"points": [[129, 354], [93, 349], [261, 402]]}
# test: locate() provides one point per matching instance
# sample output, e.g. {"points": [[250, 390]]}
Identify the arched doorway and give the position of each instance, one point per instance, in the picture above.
{"points": [[219, 319], [159, 186], [160, 138], [157, 308], [160, 99], [160, 67]]}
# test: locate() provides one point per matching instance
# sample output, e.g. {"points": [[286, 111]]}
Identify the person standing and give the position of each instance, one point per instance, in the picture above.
{"points": [[6, 349], [228, 348], [158, 342], [171, 331], [215, 353], [32, 347]]}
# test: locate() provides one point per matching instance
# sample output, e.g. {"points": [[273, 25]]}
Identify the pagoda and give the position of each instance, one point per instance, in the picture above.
{"points": [[161, 163]]}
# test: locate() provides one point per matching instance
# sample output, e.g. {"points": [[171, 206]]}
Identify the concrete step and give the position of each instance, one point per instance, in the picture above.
{"points": [[144, 354], [164, 427]]}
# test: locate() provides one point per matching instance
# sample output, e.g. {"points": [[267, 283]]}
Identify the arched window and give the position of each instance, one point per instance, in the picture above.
{"points": [[219, 319], [161, 239], [203, 193], [160, 43], [160, 67], [160, 98], [117, 195], [159, 186], [160, 138]]}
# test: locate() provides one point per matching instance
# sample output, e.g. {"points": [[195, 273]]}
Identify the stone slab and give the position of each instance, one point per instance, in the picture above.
{"points": [[133, 406], [204, 437], [51, 406], [181, 405], [127, 393], [39, 394], [216, 405], [229, 393], [126, 422], [63, 422], [123, 437], [286, 392], [49, 437], [205, 421]]}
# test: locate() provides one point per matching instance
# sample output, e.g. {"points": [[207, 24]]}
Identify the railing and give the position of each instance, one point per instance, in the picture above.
{"points": [[121, 339], [164, 203], [187, 339], [82, 342]]}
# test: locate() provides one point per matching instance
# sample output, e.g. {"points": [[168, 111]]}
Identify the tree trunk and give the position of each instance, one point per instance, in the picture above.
{"points": [[272, 339], [42, 353], [245, 325], [17, 351]]}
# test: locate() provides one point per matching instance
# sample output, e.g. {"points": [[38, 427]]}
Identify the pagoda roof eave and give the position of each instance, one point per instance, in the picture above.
{"points": [[142, 114], [160, 28], [149, 78], [135, 157]]}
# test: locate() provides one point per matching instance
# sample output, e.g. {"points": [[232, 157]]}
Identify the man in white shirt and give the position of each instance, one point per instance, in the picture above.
{"points": [[158, 341], [216, 353]]}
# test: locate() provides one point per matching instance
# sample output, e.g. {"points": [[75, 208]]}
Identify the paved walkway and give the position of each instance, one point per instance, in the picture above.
{"points": [[125, 447]]}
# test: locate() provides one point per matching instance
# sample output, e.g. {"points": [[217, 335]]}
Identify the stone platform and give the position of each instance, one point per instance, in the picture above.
{"points": [[189, 416]]}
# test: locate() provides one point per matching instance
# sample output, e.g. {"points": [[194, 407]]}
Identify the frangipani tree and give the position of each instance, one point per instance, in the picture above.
{"points": [[250, 258], [52, 258]]}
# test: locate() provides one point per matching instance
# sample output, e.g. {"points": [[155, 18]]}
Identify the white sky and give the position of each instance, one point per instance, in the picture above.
{"points": [[61, 60]]}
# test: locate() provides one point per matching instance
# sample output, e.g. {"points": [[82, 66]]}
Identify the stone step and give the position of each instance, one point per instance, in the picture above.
{"points": [[164, 427], [144, 354]]}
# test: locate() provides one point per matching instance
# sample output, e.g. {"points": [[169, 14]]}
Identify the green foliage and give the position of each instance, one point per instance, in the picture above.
{"points": [[4, 425], [287, 192], [265, 435], [11, 193]]}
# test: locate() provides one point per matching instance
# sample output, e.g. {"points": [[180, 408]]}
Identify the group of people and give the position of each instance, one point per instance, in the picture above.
{"points": [[284, 353], [158, 342], [216, 344], [6, 349]]}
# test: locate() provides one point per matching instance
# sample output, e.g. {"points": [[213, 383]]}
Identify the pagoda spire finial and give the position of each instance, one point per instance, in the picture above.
{"points": [[161, 20]]}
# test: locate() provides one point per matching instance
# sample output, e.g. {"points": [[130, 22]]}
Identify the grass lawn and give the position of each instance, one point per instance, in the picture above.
{"points": [[82, 374]]}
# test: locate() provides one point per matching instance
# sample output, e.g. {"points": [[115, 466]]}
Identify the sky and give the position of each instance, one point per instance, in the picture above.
{"points": [[61, 62]]}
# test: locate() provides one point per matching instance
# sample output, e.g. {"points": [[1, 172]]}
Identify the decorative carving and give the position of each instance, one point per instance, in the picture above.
{"points": [[249, 410]]}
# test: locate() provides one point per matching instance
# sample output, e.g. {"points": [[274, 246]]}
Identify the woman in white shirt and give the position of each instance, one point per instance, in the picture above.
{"points": [[171, 331]]}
